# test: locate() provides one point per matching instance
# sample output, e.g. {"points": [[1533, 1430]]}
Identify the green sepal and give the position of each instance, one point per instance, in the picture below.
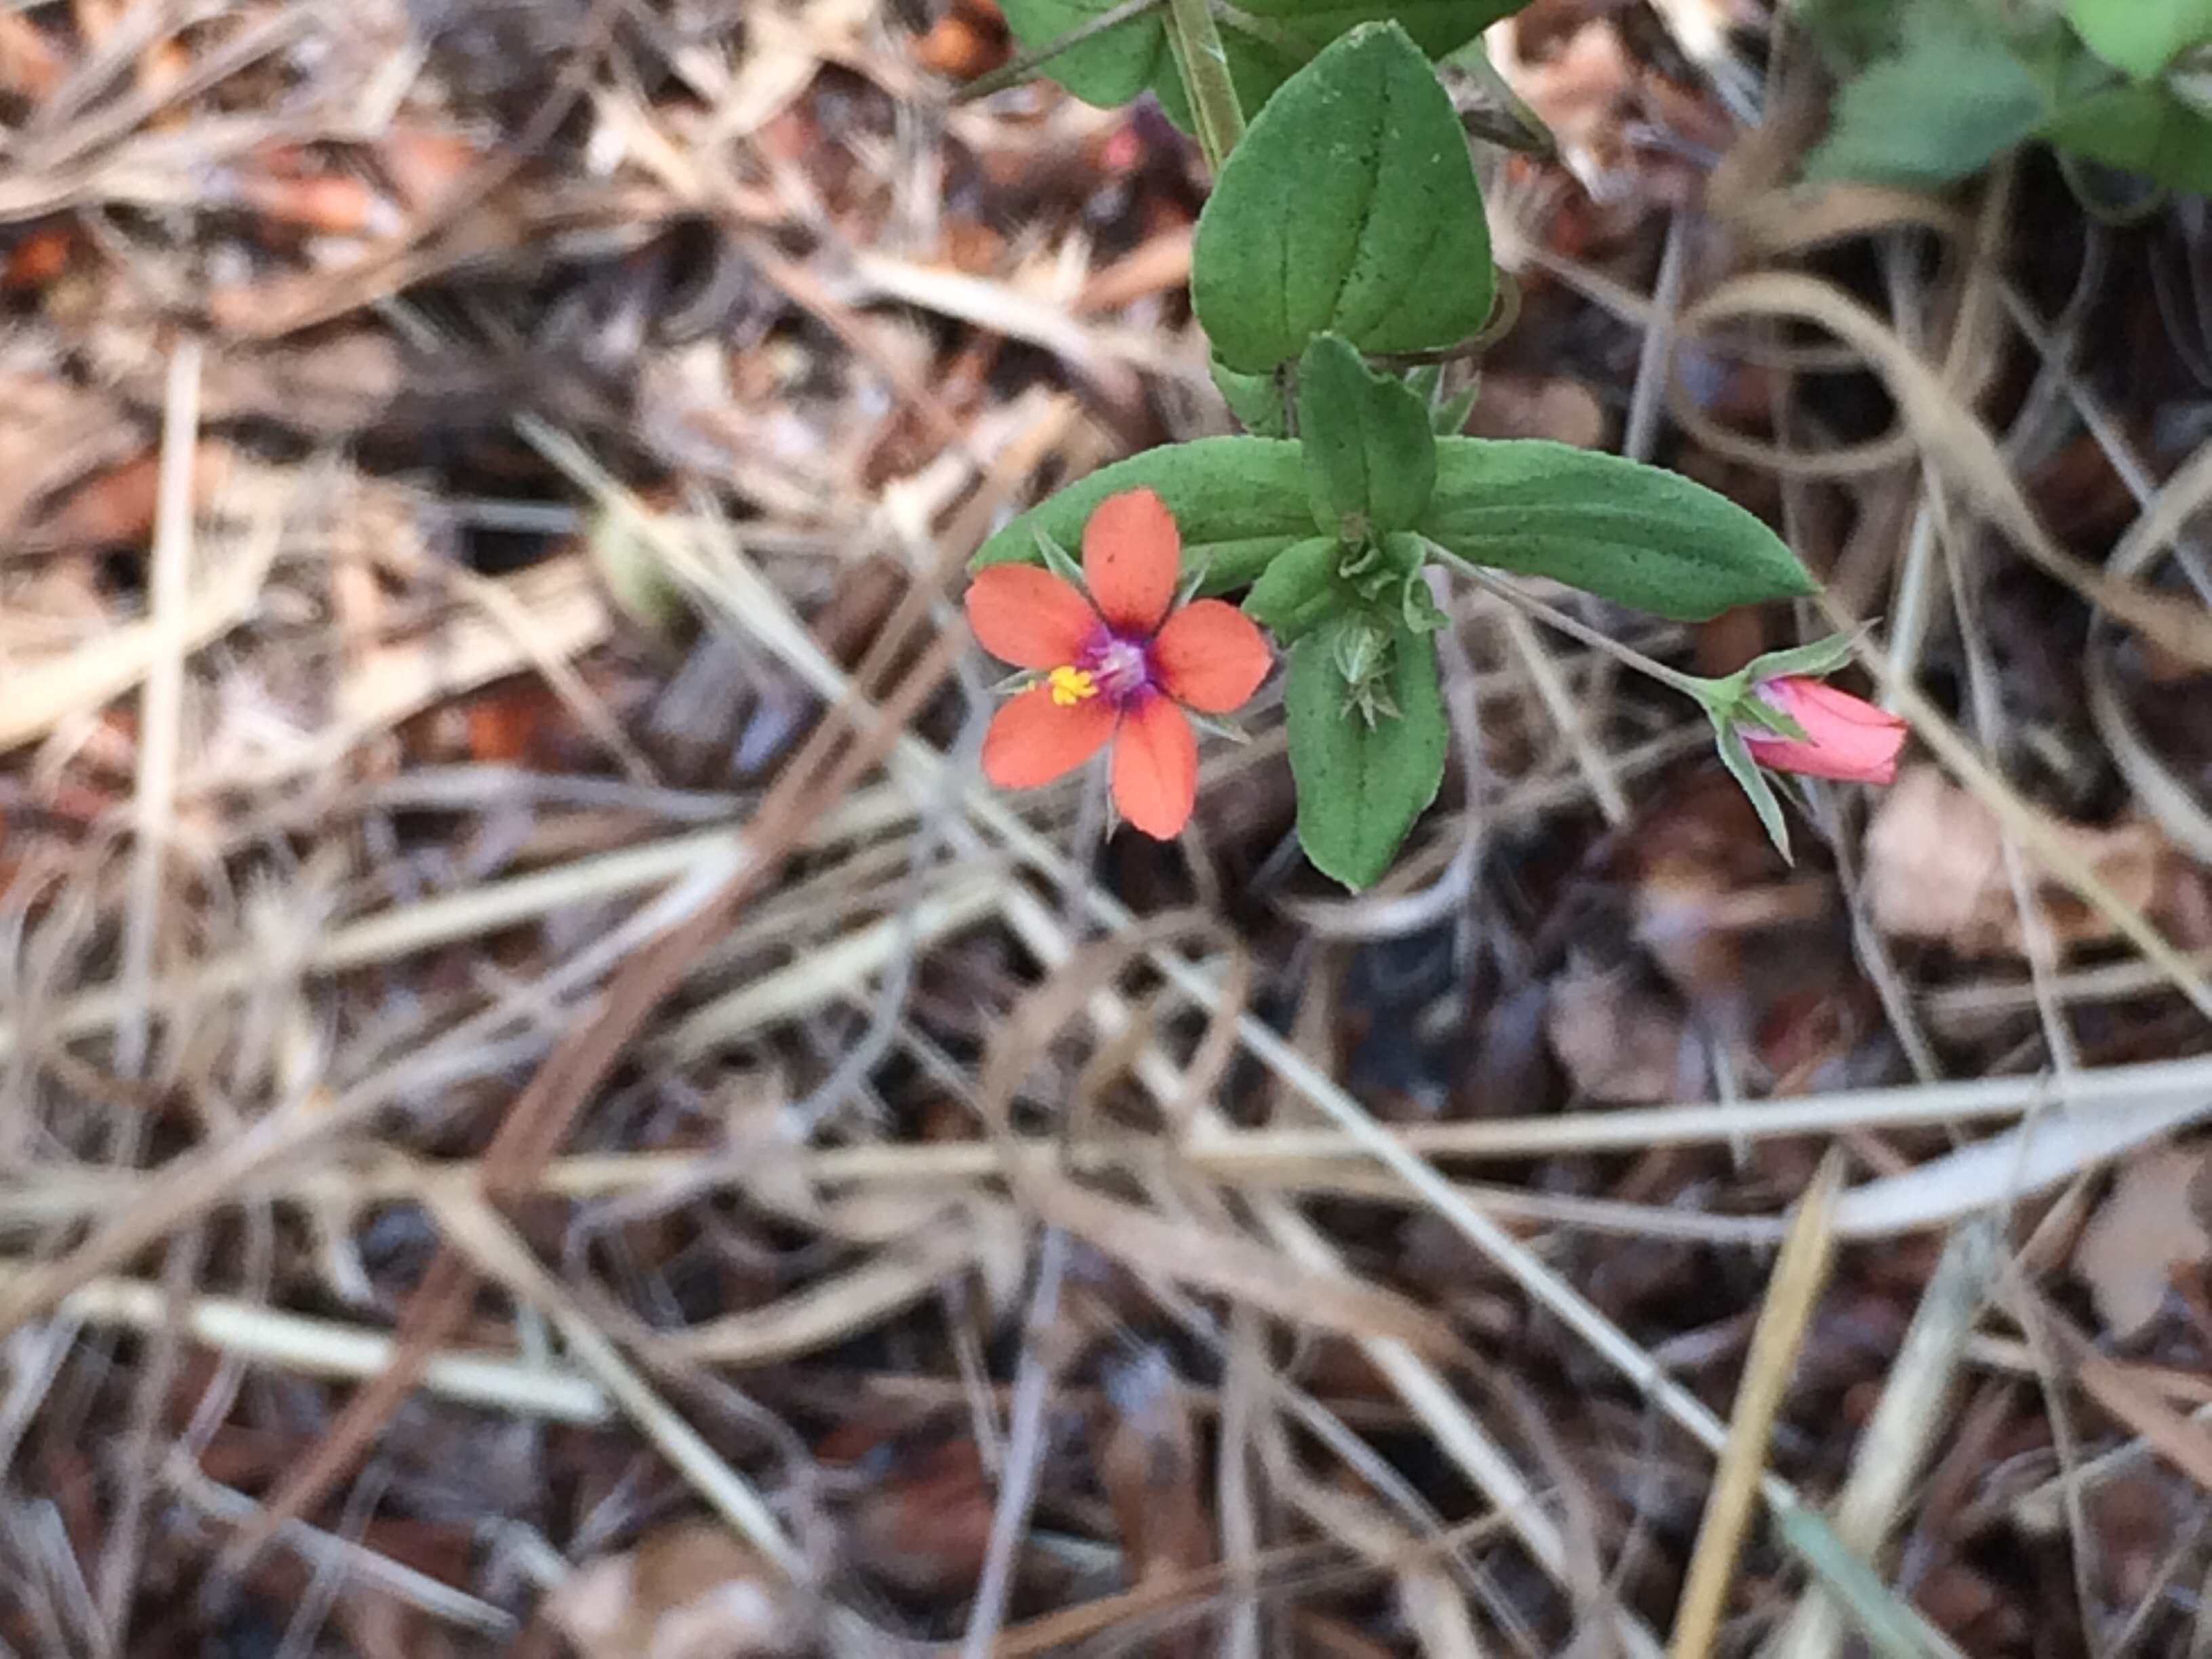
{"points": [[1754, 784]]}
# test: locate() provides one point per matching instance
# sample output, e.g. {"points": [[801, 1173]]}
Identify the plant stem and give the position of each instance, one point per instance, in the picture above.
{"points": [[1688, 685], [1205, 65]]}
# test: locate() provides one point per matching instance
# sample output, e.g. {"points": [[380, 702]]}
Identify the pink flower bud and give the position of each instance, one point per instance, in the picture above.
{"points": [[1845, 736]]}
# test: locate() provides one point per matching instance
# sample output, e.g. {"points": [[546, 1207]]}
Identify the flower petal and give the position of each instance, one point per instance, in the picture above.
{"points": [[1847, 738], [1131, 550], [1155, 768], [1209, 657], [1032, 739], [1028, 617]]}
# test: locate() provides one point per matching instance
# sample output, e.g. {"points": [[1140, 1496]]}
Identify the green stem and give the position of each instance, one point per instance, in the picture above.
{"points": [[1213, 106], [1688, 685]]}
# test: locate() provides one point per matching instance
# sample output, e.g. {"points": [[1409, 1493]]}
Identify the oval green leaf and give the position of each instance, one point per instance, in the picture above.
{"points": [[2139, 129], [1266, 41], [1299, 591], [1370, 457], [1350, 206], [1238, 501], [2140, 36], [1361, 782], [1634, 534]]}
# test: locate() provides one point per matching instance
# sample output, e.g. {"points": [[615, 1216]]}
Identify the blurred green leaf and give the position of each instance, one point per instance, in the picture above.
{"points": [[2139, 129], [1266, 41], [1952, 97], [2140, 36]]}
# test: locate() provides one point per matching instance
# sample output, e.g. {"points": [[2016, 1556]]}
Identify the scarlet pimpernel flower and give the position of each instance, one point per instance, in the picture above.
{"points": [[1117, 661], [1846, 737]]}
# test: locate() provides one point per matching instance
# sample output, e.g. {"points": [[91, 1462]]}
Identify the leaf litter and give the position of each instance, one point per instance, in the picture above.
{"points": [[521, 903]]}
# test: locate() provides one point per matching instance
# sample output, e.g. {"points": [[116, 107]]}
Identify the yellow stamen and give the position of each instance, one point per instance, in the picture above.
{"points": [[1070, 686]]}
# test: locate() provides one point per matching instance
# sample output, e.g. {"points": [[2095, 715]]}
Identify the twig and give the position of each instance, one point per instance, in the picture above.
{"points": [[1025, 1449], [162, 710]]}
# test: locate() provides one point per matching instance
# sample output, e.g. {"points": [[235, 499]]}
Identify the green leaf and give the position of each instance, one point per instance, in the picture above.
{"points": [[2139, 129], [1256, 400], [1362, 782], [1847, 32], [2140, 36], [1350, 206], [1266, 41], [1633, 534], [1110, 67], [1299, 589], [1238, 502], [1371, 459], [1951, 98]]}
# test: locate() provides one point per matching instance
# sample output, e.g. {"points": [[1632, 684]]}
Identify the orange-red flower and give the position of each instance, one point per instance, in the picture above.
{"points": [[1845, 736], [1119, 664]]}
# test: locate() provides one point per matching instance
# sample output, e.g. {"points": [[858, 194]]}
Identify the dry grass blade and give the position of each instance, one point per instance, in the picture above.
{"points": [[1801, 1273], [2036, 833], [841, 1305], [40, 696], [2165, 796], [322, 1347], [1958, 445], [538, 1120], [492, 1247], [194, 1185], [1904, 1426], [559, 863], [1205, 1259]]}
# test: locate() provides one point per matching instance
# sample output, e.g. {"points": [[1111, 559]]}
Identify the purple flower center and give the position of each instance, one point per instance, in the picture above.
{"points": [[1120, 669]]}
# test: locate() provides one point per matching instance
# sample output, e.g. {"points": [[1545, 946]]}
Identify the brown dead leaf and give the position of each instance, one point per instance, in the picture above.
{"points": [[326, 204], [30, 67], [50, 434], [333, 388], [1621, 1040], [689, 1591], [969, 40], [43, 256], [1935, 871], [1524, 406], [1580, 92], [920, 1517], [2146, 1224], [1147, 1459], [427, 168], [115, 508]]}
